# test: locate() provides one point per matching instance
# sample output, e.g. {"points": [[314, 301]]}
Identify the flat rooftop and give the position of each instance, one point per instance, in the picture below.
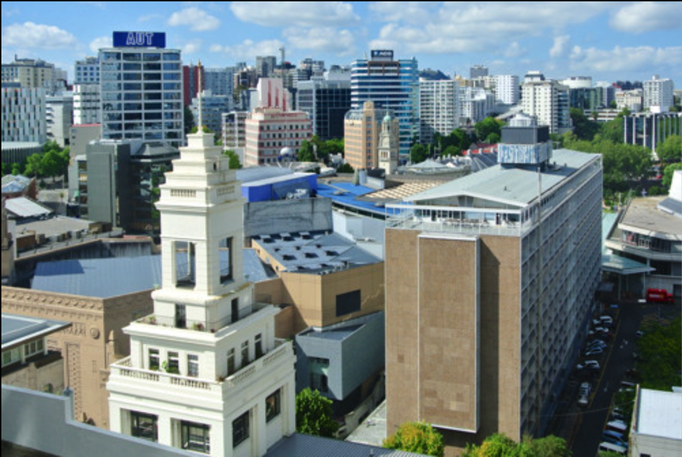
{"points": [[54, 226], [314, 252], [660, 414], [99, 278], [314, 446], [18, 329], [643, 214], [513, 185]]}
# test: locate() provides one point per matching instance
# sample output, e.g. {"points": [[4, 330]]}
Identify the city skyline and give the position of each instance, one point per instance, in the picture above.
{"points": [[607, 41]]}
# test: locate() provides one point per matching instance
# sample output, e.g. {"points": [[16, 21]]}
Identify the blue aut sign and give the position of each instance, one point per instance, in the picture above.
{"points": [[139, 40]]}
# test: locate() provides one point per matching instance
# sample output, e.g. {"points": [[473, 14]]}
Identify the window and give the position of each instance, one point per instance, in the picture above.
{"points": [[154, 359], [258, 345], [185, 268], [235, 310], [348, 303], [180, 316], [225, 254], [245, 353], [195, 437], [143, 426], [240, 429], [173, 363], [272, 406], [231, 366], [192, 365], [319, 369]]}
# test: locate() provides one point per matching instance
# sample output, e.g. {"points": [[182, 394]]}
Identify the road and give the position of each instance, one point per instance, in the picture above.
{"points": [[617, 361]]}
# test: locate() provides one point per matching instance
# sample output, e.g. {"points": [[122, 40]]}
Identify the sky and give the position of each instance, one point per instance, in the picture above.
{"points": [[609, 41]]}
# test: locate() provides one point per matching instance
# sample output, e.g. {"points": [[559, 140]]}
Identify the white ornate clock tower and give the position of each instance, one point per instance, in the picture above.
{"points": [[205, 371], [388, 146]]}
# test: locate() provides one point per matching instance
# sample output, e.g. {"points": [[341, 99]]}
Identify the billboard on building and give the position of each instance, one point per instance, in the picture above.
{"points": [[139, 40]]}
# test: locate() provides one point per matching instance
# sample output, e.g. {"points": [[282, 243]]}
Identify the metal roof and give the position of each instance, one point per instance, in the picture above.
{"points": [[314, 252], [255, 269], [659, 414], [25, 208], [18, 329], [251, 174], [515, 185], [99, 278], [346, 194], [313, 446], [623, 265], [608, 222]]}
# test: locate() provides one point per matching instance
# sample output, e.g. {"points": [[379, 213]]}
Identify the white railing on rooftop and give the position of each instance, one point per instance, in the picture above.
{"points": [[410, 221], [125, 369]]}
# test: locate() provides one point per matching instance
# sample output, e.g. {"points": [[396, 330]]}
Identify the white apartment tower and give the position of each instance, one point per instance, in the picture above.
{"points": [[205, 372], [547, 100], [439, 108], [507, 89], [658, 93]]}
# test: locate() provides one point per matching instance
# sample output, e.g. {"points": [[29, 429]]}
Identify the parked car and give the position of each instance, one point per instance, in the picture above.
{"points": [[615, 435], [616, 441], [617, 426], [596, 343], [584, 393], [589, 365], [639, 334], [594, 352]]}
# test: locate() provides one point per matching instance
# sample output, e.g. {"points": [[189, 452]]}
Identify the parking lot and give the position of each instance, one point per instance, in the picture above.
{"points": [[583, 426]]}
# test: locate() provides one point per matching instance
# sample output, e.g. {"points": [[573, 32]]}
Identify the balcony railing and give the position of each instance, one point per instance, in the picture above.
{"points": [[242, 377]]}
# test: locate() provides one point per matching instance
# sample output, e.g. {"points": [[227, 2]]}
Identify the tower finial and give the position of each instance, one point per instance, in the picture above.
{"points": [[200, 125]]}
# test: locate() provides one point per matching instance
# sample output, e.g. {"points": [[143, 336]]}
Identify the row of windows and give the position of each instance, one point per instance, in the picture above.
{"points": [[108, 57], [29, 349]]}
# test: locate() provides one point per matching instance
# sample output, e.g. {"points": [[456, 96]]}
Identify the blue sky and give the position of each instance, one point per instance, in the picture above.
{"points": [[606, 40]]}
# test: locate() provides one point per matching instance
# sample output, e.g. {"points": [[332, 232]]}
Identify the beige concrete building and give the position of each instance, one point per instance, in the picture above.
{"points": [[312, 290], [269, 131], [98, 307], [361, 135], [482, 317]]}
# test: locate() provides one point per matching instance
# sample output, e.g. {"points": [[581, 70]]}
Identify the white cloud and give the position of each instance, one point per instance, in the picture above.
{"points": [[322, 39], [626, 60], [8, 13], [30, 35], [248, 49], [100, 42], [149, 17], [560, 46], [409, 12], [514, 51], [196, 19], [476, 27], [648, 17], [299, 14], [191, 47]]}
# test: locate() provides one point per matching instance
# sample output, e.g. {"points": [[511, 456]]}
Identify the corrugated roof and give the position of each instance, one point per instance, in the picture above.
{"points": [[660, 414], [514, 185], [26, 208], [345, 194], [313, 446], [100, 278]]}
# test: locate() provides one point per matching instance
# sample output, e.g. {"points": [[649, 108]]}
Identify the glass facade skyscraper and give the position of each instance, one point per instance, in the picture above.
{"points": [[390, 84], [142, 95]]}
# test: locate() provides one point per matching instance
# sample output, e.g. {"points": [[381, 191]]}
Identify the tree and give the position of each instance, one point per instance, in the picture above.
{"points": [[305, 152], [451, 151], [417, 437], [671, 149], [419, 153], [16, 169], [346, 168], [487, 126], [583, 128], [34, 165], [499, 445], [234, 159], [667, 180], [314, 414], [493, 138], [5, 168], [660, 351]]}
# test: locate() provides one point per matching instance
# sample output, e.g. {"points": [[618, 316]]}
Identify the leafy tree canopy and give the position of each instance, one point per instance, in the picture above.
{"points": [[417, 437], [499, 445], [671, 149], [234, 159], [661, 352], [667, 180], [306, 153], [488, 126], [419, 153], [346, 168], [314, 414], [584, 128]]}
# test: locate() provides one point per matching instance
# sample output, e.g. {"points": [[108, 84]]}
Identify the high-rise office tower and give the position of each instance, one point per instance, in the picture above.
{"points": [[507, 89], [265, 65], [548, 101], [486, 349], [141, 89], [87, 71], [390, 84], [326, 102], [23, 115], [362, 128], [478, 71], [659, 93]]}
